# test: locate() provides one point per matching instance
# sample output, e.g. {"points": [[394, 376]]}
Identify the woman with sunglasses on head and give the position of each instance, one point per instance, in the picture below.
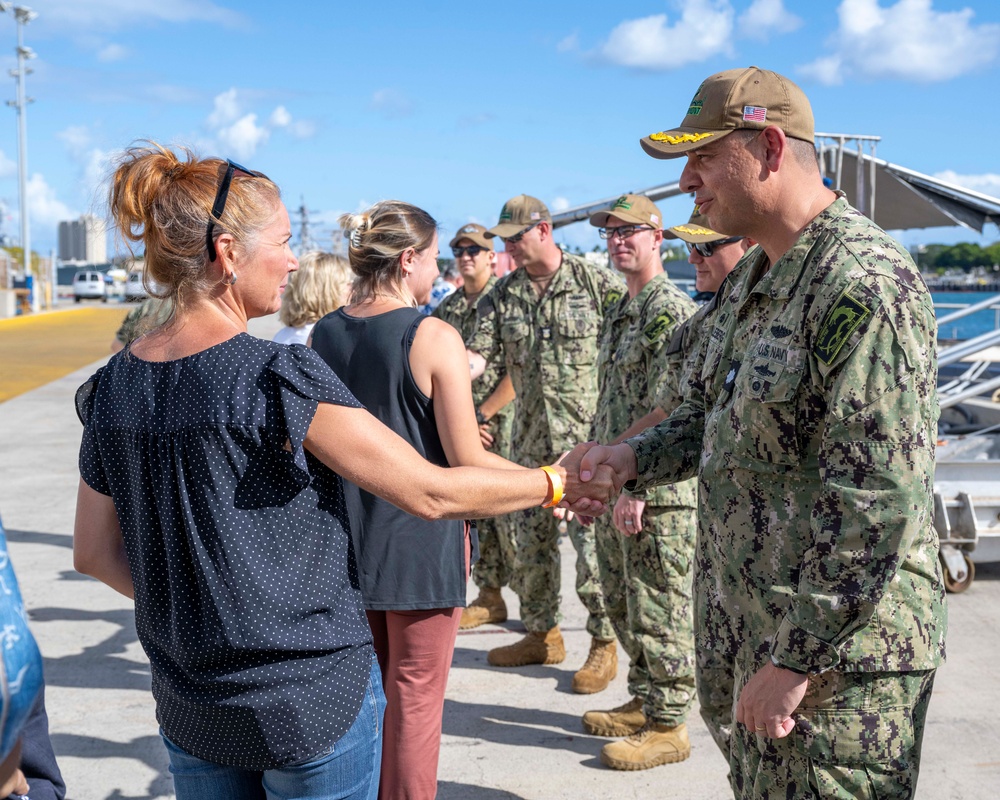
{"points": [[412, 372], [211, 493]]}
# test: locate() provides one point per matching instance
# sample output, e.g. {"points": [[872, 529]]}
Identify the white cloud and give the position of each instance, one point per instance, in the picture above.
{"points": [[986, 183], [95, 169], [391, 104], [237, 130], [225, 109], [704, 30], [105, 15], [569, 43], [302, 128], [907, 41], [280, 118], [242, 137], [76, 138], [560, 204], [112, 52], [44, 208], [766, 17]]}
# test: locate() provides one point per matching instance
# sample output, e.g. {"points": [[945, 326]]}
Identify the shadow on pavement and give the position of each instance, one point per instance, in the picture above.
{"points": [[449, 790], [148, 750], [105, 665], [520, 727], [37, 537]]}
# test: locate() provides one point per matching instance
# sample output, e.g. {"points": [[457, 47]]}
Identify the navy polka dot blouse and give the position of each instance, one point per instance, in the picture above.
{"points": [[246, 589]]}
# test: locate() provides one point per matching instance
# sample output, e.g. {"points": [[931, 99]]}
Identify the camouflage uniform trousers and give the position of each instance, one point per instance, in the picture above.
{"points": [[857, 735], [713, 666], [647, 584], [537, 569], [496, 553], [714, 673]]}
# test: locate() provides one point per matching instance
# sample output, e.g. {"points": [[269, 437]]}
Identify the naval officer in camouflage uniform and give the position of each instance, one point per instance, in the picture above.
{"points": [[813, 437], [541, 322], [714, 257], [646, 568], [474, 259]]}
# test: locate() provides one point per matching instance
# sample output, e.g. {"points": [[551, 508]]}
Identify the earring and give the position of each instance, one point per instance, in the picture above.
{"points": [[232, 280]]}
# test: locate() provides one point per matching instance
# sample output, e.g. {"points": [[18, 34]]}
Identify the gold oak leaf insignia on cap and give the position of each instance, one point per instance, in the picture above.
{"points": [[684, 138], [843, 320]]}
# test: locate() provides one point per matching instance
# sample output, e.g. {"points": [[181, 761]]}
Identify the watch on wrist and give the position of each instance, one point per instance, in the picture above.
{"points": [[480, 418]]}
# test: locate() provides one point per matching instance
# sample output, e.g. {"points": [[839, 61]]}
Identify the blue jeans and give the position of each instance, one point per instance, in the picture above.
{"points": [[350, 771]]}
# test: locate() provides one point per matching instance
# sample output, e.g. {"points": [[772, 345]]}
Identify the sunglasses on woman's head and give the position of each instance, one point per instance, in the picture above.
{"points": [[220, 203]]}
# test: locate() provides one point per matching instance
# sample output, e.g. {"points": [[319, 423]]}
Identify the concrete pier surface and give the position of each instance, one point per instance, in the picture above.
{"points": [[507, 733]]}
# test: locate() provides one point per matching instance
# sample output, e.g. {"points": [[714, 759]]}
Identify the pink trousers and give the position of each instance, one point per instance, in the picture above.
{"points": [[414, 650]]}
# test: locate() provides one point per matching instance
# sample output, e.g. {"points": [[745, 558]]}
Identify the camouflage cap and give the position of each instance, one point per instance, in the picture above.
{"points": [[475, 233], [519, 213], [736, 99], [694, 231], [634, 208]]}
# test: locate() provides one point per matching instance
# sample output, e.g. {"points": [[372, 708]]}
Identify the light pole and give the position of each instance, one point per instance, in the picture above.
{"points": [[23, 15]]}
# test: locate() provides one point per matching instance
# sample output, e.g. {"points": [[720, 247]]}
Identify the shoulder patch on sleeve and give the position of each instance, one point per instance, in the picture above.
{"points": [[661, 323], [842, 320], [611, 297]]}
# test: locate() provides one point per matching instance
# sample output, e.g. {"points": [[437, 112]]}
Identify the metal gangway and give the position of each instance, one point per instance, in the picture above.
{"points": [[967, 474]]}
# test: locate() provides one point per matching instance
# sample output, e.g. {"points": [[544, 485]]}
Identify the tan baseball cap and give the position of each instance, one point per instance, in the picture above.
{"points": [[475, 233], [736, 99], [519, 213], [635, 208], [694, 231]]}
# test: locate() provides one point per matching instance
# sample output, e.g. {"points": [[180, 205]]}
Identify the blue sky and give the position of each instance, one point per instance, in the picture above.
{"points": [[456, 107]]}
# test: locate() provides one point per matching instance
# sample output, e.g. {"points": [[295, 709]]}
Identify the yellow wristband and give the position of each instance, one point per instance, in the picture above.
{"points": [[556, 484]]}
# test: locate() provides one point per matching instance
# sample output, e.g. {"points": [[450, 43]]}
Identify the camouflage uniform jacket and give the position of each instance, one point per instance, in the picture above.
{"points": [[631, 346], [549, 347], [817, 414], [462, 317]]}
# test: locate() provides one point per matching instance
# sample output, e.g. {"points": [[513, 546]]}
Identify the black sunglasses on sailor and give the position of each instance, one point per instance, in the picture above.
{"points": [[473, 250], [518, 236], [220, 203], [706, 249]]}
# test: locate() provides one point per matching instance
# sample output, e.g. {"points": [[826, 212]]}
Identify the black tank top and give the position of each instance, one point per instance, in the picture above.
{"points": [[404, 562]]}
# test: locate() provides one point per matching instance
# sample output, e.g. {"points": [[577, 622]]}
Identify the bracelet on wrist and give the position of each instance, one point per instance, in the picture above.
{"points": [[555, 484]]}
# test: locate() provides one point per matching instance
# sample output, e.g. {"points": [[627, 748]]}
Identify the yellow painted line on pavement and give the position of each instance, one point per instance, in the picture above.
{"points": [[38, 348]]}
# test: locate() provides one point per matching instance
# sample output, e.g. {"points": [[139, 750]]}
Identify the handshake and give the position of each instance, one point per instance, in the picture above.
{"points": [[594, 475]]}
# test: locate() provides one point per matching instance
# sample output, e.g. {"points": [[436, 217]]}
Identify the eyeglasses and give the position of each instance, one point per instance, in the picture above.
{"points": [[622, 232], [706, 249], [517, 236], [220, 203], [472, 250]]}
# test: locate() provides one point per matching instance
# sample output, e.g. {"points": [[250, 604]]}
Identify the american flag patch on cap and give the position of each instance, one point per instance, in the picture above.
{"points": [[754, 114]]}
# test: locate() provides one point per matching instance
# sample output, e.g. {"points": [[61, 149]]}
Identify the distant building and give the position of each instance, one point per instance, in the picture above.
{"points": [[84, 241]]}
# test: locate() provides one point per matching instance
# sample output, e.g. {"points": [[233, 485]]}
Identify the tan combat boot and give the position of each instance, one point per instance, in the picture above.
{"points": [[622, 721], [488, 607], [544, 647], [655, 744], [599, 669]]}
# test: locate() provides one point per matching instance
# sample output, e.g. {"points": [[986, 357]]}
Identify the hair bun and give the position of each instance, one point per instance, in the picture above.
{"points": [[355, 225]]}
